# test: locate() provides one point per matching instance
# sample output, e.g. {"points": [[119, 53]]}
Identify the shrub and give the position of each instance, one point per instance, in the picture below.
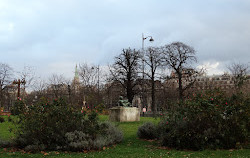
{"points": [[78, 140], [52, 125], [1, 119], [6, 144], [46, 123], [113, 134], [147, 131], [100, 108], [209, 120], [35, 147], [18, 108], [205, 120], [1, 110]]}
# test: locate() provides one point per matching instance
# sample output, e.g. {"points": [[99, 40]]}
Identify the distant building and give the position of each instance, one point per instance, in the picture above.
{"points": [[202, 82], [188, 76], [9, 97], [186, 72]]}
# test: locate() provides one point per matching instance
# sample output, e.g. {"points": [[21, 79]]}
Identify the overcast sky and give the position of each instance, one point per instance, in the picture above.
{"points": [[54, 35]]}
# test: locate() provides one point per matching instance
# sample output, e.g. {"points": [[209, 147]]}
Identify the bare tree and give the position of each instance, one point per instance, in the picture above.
{"points": [[40, 87], [153, 60], [178, 57], [91, 79], [58, 85], [239, 71], [89, 74], [5, 78], [27, 75], [125, 71]]}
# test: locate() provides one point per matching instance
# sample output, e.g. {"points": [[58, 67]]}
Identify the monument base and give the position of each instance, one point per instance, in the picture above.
{"points": [[124, 114]]}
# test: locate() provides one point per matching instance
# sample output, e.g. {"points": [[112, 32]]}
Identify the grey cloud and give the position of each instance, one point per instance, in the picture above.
{"points": [[47, 32]]}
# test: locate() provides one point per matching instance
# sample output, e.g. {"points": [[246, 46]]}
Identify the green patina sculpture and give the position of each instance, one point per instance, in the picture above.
{"points": [[123, 102]]}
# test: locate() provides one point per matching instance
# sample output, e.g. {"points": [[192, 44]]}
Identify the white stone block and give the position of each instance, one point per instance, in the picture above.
{"points": [[124, 114]]}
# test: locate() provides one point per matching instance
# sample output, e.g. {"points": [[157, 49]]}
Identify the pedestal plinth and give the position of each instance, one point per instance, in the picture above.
{"points": [[124, 114]]}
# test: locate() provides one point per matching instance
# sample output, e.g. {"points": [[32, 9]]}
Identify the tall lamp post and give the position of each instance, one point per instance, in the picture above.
{"points": [[143, 65], [143, 59]]}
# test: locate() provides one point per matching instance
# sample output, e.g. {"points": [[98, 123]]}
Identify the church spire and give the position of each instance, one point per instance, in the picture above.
{"points": [[76, 80], [76, 73], [76, 77]]}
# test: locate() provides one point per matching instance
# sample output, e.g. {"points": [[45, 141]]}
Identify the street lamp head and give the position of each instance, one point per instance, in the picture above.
{"points": [[151, 39]]}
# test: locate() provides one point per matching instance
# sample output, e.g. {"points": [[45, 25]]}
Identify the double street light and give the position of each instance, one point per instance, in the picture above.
{"points": [[144, 38]]}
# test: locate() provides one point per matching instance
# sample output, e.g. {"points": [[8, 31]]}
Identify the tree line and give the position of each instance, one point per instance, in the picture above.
{"points": [[133, 72]]}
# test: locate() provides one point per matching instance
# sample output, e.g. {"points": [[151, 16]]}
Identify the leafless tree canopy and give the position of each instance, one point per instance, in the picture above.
{"points": [[5, 74], [125, 70], [40, 86], [178, 56], [239, 71], [124, 78], [153, 60], [57, 84], [27, 75], [5, 79], [88, 74], [91, 78]]}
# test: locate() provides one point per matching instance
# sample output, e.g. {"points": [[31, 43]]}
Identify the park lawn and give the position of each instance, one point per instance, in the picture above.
{"points": [[130, 147], [5, 127]]}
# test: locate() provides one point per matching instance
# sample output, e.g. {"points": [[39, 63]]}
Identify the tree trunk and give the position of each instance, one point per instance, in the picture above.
{"points": [[153, 96], [180, 86], [129, 92]]}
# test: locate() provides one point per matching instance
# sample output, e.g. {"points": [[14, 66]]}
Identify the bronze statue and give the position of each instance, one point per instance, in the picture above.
{"points": [[123, 102]]}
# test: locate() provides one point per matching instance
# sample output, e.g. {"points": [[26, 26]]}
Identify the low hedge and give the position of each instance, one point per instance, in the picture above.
{"points": [[207, 120], [53, 125]]}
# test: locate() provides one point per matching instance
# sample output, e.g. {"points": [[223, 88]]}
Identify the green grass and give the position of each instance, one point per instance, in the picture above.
{"points": [[131, 147], [5, 133]]}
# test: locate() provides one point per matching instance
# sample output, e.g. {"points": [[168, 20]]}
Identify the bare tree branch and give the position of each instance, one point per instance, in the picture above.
{"points": [[125, 71], [6, 73], [153, 60], [178, 57], [239, 72]]}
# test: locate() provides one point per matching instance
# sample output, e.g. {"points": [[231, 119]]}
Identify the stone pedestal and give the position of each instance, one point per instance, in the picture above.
{"points": [[124, 114]]}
